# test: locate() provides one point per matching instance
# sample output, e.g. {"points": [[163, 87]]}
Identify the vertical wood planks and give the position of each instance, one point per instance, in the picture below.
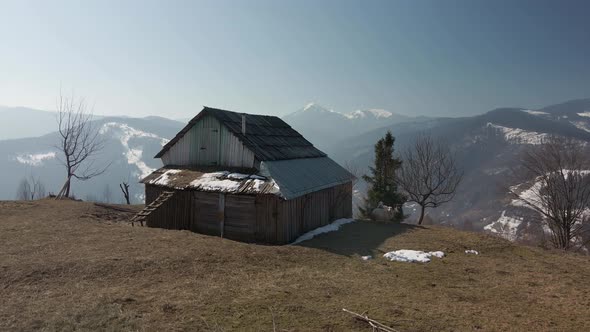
{"points": [[260, 218], [221, 213]]}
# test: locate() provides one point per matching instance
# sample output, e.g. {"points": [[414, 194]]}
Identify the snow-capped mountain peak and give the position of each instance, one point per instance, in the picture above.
{"points": [[375, 113], [314, 107]]}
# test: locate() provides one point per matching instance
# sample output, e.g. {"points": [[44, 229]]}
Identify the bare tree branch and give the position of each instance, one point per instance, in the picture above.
{"points": [[429, 175], [79, 141], [560, 188]]}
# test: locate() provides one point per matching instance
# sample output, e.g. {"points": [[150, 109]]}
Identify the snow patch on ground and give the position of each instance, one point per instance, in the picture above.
{"points": [[472, 252], [412, 256], [519, 136], [324, 229], [134, 155], [35, 160], [505, 226]]}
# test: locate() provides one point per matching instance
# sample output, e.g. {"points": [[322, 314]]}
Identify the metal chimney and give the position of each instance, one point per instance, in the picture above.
{"points": [[244, 124]]}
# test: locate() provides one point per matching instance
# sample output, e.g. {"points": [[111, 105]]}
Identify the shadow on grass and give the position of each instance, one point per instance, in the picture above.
{"points": [[358, 238]]}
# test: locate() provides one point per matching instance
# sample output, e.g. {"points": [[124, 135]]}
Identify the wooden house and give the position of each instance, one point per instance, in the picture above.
{"points": [[245, 177]]}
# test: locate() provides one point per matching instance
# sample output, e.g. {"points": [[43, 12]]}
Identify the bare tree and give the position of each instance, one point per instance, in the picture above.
{"points": [[429, 175], [125, 189], [23, 192], [560, 189], [79, 141], [30, 189], [107, 194], [37, 188]]}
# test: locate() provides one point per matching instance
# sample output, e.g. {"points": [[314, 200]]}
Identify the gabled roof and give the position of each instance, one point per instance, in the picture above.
{"points": [[268, 137]]}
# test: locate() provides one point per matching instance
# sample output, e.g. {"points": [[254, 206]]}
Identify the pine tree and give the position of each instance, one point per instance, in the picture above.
{"points": [[382, 184]]}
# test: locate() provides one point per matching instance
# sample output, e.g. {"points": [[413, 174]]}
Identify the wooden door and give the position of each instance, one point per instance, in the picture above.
{"points": [[209, 146]]}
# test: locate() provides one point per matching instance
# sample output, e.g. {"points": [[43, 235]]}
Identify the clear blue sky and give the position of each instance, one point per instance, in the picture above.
{"points": [[169, 58]]}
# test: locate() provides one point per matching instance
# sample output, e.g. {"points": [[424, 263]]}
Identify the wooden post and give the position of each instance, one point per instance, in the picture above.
{"points": [[221, 213]]}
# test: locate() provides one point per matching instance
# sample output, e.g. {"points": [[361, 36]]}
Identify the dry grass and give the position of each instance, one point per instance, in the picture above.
{"points": [[64, 267]]}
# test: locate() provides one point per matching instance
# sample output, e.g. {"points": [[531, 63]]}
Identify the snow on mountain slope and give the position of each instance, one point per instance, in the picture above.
{"points": [[34, 160], [363, 114], [133, 153], [311, 108], [582, 125], [325, 127], [505, 226], [535, 112], [519, 136], [585, 114]]}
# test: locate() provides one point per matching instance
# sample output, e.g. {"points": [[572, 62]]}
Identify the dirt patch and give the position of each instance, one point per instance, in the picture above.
{"points": [[73, 265]]}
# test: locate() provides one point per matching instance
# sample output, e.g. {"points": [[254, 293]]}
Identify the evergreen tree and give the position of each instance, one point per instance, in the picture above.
{"points": [[382, 184]]}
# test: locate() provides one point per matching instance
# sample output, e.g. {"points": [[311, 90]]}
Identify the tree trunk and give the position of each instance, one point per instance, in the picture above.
{"points": [[68, 182], [421, 214], [125, 189]]}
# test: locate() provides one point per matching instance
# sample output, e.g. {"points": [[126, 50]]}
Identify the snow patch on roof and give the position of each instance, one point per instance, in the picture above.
{"points": [[237, 176], [519, 136], [35, 159], [505, 226], [216, 182], [163, 179], [412, 256], [324, 229]]}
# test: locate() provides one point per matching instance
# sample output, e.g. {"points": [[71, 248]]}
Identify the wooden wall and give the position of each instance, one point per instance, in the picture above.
{"points": [[174, 213], [250, 218], [209, 143], [305, 213]]}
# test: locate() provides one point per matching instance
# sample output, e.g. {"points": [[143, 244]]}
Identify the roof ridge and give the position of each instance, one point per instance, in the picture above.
{"points": [[285, 142]]}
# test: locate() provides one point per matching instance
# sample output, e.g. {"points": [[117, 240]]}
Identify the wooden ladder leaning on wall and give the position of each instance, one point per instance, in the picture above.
{"points": [[153, 206]]}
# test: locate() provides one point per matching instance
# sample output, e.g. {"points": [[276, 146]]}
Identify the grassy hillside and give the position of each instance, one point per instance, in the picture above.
{"points": [[71, 265]]}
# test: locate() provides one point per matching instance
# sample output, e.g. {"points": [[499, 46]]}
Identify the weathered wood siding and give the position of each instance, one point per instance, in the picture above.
{"points": [[267, 207], [205, 218], [249, 218], [173, 214], [209, 143], [305, 213]]}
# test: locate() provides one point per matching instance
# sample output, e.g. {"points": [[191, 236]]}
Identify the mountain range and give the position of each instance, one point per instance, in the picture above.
{"points": [[487, 147]]}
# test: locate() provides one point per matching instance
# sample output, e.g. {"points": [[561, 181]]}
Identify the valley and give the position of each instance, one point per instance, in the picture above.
{"points": [[487, 146]]}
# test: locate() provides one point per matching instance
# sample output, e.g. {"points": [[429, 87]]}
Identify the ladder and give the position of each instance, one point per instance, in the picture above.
{"points": [[153, 206]]}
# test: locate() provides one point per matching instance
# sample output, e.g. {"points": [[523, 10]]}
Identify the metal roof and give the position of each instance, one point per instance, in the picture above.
{"points": [[298, 177], [268, 137]]}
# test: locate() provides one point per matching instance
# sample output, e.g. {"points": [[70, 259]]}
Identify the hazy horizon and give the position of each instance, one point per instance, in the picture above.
{"points": [[434, 58]]}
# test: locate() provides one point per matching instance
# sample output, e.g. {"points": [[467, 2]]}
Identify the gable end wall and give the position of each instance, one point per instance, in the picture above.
{"points": [[209, 143]]}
